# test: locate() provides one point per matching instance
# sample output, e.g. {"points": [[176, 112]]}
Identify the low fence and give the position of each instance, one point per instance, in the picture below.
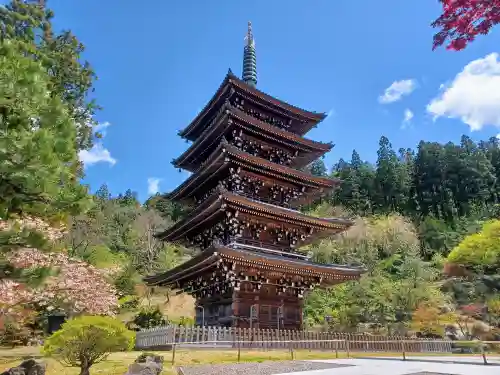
{"points": [[221, 337]]}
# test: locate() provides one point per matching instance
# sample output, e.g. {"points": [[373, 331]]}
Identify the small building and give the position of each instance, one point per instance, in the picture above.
{"points": [[247, 184]]}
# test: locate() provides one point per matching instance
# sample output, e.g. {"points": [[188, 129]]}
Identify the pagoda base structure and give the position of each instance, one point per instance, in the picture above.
{"points": [[234, 287]]}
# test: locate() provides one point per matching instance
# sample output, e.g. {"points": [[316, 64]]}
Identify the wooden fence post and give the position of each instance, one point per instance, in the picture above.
{"points": [[173, 353], [485, 362]]}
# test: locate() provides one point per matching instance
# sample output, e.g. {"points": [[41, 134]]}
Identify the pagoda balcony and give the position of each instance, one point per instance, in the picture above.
{"points": [[267, 201], [243, 243], [255, 198]]}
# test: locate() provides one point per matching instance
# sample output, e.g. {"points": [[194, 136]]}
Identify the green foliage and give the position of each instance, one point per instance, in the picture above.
{"points": [[184, 321], [397, 280], [126, 280], [30, 27], [149, 317], [318, 168], [38, 158], [128, 302], [87, 340], [480, 251], [169, 210]]}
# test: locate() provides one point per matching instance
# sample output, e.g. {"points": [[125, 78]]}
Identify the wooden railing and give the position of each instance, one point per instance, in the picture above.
{"points": [[221, 337]]}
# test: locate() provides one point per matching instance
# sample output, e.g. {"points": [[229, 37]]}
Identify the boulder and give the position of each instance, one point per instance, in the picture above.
{"points": [[146, 364], [28, 367]]}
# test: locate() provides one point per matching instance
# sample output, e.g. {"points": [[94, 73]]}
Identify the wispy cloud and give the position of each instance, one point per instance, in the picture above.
{"points": [[397, 90], [97, 154], [473, 96], [153, 185], [407, 117]]}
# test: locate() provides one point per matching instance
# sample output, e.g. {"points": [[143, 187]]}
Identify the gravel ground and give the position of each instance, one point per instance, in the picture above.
{"points": [[264, 368]]}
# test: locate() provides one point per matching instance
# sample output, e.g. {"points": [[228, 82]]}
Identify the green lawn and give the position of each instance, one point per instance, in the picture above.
{"points": [[117, 363]]}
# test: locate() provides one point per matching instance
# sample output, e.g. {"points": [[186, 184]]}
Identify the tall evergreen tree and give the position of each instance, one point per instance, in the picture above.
{"points": [[29, 24], [356, 184], [391, 180], [318, 168]]}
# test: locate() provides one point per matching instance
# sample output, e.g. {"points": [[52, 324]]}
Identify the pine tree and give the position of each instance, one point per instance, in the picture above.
{"points": [[39, 181], [29, 24]]}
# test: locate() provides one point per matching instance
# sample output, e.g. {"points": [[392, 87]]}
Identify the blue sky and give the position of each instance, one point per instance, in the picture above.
{"points": [[159, 62]]}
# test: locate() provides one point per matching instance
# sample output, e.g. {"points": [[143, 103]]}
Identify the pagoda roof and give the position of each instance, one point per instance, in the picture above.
{"points": [[222, 199], [230, 84], [226, 155], [221, 126], [331, 273]]}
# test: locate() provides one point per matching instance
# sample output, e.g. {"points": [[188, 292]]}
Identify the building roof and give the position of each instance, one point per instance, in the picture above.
{"points": [[221, 200], [231, 84], [230, 117], [331, 273], [226, 155]]}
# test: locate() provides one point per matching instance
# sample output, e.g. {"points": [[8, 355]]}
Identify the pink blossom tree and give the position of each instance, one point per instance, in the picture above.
{"points": [[463, 20], [75, 286]]}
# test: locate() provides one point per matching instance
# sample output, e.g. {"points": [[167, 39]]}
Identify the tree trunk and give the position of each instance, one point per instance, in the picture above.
{"points": [[84, 370]]}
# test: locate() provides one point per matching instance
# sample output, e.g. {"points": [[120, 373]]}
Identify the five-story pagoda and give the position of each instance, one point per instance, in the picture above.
{"points": [[246, 156]]}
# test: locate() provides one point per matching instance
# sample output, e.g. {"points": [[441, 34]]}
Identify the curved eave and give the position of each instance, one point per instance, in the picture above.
{"points": [[322, 182], [200, 214], [333, 273], [259, 128], [280, 214], [221, 200], [315, 145], [202, 260], [226, 153], [311, 118], [300, 266]]}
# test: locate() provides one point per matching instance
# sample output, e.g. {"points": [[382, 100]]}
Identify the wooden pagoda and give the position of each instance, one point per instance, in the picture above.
{"points": [[246, 187]]}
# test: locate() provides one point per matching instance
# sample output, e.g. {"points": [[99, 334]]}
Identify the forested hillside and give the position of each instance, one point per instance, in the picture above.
{"points": [[418, 214]]}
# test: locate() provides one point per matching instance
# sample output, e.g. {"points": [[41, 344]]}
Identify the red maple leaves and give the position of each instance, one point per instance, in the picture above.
{"points": [[463, 20]]}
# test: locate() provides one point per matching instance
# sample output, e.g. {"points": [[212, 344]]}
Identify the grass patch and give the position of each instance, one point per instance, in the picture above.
{"points": [[117, 363]]}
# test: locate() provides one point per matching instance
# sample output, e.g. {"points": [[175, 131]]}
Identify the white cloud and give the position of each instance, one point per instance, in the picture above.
{"points": [[397, 90], [153, 185], [408, 116], [473, 96], [97, 154]]}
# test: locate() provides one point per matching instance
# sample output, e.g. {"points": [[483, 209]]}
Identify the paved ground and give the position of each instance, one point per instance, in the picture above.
{"points": [[415, 366], [264, 368]]}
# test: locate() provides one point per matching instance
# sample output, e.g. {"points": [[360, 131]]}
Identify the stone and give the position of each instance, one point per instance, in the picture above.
{"points": [[145, 368], [146, 364], [146, 357], [28, 367]]}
